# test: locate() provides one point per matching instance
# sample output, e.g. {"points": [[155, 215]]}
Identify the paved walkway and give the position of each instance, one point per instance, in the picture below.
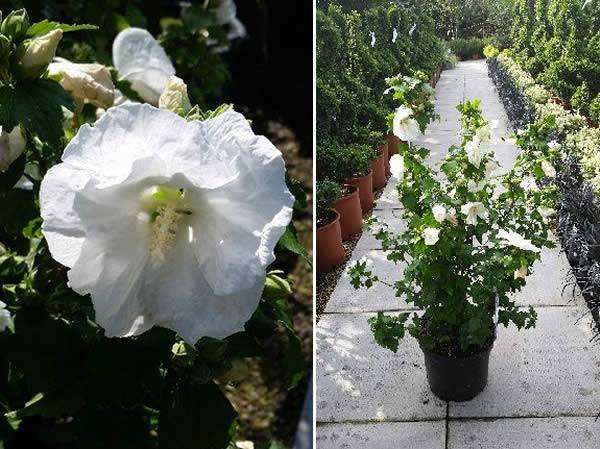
{"points": [[544, 384]]}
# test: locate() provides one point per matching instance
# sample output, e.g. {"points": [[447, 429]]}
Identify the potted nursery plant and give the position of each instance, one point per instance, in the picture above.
{"points": [[330, 251], [467, 249], [348, 206], [378, 167]]}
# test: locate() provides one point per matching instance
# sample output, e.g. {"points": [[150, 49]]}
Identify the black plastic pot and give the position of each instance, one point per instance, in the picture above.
{"points": [[457, 379]]}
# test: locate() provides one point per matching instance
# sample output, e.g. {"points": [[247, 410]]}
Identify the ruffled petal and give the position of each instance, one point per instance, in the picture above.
{"points": [[139, 58]]}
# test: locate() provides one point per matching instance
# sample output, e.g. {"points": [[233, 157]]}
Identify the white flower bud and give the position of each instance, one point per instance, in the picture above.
{"points": [[175, 97], [12, 145], [548, 169], [397, 166], [439, 213], [35, 54], [521, 273]]}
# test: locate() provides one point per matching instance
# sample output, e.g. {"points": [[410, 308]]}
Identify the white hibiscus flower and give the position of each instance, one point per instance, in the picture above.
{"points": [[12, 145], [528, 183], [546, 212], [475, 187], [85, 82], [167, 222], [397, 166], [439, 213], [477, 148], [511, 238], [554, 145], [548, 169], [473, 211], [141, 60], [405, 127], [5, 318], [431, 236]]}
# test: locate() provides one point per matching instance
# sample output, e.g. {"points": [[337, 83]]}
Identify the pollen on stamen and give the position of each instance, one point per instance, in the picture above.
{"points": [[164, 232]]}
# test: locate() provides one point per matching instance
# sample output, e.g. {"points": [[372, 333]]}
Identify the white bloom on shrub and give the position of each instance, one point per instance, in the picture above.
{"points": [[439, 213], [167, 222], [175, 96], [12, 145], [431, 236], [521, 273], [554, 145], [473, 211], [528, 183], [548, 169], [511, 238], [373, 39], [451, 216], [397, 166], [85, 82], [476, 149], [475, 187], [244, 445], [546, 212], [394, 36], [141, 60], [405, 127], [5, 318], [412, 29]]}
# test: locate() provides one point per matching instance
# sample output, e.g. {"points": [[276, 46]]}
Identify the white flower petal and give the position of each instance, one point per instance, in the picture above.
{"points": [[140, 59]]}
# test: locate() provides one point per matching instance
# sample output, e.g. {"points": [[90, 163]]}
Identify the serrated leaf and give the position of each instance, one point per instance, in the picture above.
{"points": [[289, 241], [37, 105], [45, 26]]}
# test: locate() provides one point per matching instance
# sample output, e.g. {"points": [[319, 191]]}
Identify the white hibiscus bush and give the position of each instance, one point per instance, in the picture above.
{"points": [[472, 237], [137, 246]]}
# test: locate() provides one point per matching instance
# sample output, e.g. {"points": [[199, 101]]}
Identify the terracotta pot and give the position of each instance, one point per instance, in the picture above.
{"points": [[393, 142], [350, 213], [378, 169], [386, 161], [330, 251], [365, 190]]}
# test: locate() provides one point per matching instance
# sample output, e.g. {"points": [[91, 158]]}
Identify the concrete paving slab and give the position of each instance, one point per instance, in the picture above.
{"points": [[346, 299], [389, 197], [359, 381], [398, 435], [392, 217], [547, 285], [548, 371], [533, 433]]}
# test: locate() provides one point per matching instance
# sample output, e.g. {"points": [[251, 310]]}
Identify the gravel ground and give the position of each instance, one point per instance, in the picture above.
{"points": [[268, 411]]}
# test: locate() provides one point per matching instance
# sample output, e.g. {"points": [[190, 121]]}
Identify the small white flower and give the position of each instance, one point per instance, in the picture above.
{"points": [[225, 11], [554, 145], [85, 82], [528, 183], [546, 212], [511, 238], [548, 169], [473, 211], [405, 127], [175, 96], [397, 166], [12, 145], [439, 213], [165, 221], [141, 60], [520, 132], [394, 36], [431, 236], [5, 318], [412, 30], [373, 39], [244, 445], [475, 187], [521, 273], [475, 150]]}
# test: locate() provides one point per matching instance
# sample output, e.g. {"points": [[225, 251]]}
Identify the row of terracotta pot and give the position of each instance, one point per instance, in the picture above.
{"points": [[349, 209], [435, 77]]}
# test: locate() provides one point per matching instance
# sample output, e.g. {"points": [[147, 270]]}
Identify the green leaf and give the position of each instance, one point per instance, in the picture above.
{"points": [[298, 191], [37, 105], [289, 241], [196, 17], [10, 177], [45, 26], [197, 416]]}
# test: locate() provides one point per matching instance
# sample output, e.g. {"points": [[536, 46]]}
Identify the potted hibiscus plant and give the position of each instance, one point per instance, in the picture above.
{"points": [[466, 250]]}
